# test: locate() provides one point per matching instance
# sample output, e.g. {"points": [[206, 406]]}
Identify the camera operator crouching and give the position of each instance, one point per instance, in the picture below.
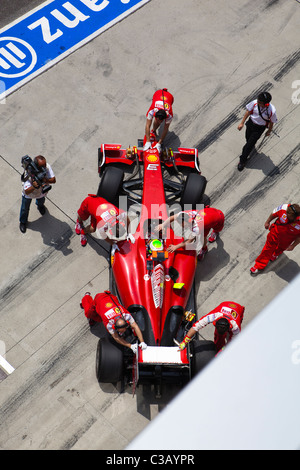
{"points": [[37, 179]]}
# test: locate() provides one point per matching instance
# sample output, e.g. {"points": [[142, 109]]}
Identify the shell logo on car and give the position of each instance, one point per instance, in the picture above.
{"points": [[152, 158]]}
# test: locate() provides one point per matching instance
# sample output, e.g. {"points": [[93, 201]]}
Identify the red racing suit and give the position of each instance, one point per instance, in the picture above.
{"points": [[206, 219], [281, 234], [100, 211], [105, 308], [233, 312], [161, 99]]}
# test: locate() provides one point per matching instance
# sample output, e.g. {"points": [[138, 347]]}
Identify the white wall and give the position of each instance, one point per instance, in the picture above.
{"points": [[248, 397]]}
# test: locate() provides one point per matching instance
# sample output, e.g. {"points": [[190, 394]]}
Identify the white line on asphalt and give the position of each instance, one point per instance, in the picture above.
{"points": [[5, 366]]}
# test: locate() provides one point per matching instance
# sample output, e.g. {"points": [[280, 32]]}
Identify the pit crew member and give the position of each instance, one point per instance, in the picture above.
{"points": [[197, 224], [227, 319], [106, 308], [159, 111], [110, 222], [284, 235]]}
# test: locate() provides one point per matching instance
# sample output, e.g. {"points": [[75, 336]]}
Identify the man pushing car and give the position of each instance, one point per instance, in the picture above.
{"points": [[106, 308]]}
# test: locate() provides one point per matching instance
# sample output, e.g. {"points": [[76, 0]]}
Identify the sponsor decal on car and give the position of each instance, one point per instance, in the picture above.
{"points": [[52, 31]]}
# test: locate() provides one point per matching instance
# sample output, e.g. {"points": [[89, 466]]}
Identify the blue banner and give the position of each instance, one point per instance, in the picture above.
{"points": [[51, 32]]}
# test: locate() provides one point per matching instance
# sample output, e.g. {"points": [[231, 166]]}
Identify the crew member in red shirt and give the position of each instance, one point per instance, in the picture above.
{"points": [[284, 235], [227, 319], [159, 111], [107, 309], [110, 222], [213, 224], [201, 223]]}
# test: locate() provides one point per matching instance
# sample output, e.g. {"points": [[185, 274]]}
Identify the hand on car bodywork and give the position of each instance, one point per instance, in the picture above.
{"points": [[147, 146]]}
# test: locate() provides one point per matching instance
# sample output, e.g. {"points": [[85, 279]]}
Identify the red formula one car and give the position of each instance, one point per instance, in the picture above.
{"points": [[157, 287]]}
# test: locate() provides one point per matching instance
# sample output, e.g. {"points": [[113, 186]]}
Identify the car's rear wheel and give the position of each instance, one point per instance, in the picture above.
{"points": [[203, 352], [109, 362], [193, 190], [110, 184]]}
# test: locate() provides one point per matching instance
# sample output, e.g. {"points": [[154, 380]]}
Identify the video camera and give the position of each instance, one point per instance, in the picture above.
{"points": [[35, 172]]}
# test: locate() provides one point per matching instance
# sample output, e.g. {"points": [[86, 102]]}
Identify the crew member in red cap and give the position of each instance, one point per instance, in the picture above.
{"points": [[106, 308], [110, 222], [159, 111], [227, 319]]}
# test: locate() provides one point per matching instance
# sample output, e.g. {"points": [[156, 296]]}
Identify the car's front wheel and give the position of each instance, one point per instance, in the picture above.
{"points": [[193, 190], [110, 184]]}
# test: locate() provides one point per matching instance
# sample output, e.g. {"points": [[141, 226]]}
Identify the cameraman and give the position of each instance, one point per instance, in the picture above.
{"points": [[33, 189]]}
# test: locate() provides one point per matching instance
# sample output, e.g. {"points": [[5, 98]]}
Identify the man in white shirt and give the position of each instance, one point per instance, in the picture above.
{"points": [[33, 189], [262, 116]]}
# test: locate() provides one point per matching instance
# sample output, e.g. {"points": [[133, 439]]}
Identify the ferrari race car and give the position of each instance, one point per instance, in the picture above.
{"points": [[154, 285]]}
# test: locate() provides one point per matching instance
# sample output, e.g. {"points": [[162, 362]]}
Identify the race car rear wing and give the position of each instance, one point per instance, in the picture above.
{"points": [[164, 355], [158, 364]]}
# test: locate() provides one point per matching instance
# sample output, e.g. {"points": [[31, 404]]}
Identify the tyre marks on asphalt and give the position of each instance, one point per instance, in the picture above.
{"points": [[247, 201], [259, 191], [51, 373], [39, 385], [38, 382], [17, 286], [288, 64], [214, 134]]}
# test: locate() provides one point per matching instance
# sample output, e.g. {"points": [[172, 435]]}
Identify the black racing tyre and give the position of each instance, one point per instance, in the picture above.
{"points": [[203, 352], [193, 190], [109, 362], [110, 184]]}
